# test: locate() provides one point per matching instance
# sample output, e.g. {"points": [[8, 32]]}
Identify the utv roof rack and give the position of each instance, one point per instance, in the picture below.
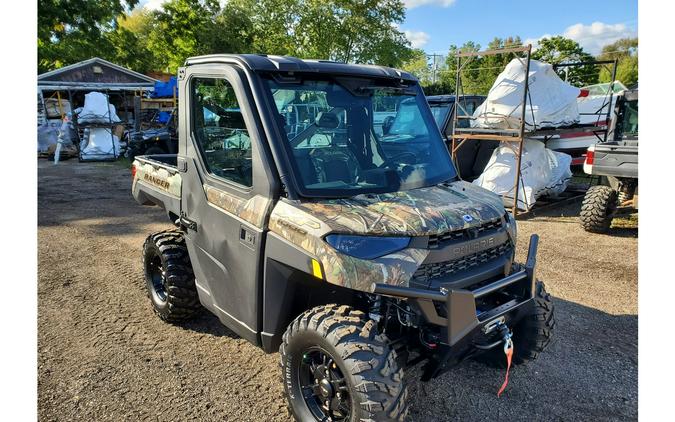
{"points": [[271, 63]]}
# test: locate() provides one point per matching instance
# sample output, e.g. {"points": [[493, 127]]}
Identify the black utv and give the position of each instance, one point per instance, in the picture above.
{"points": [[352, 253]]}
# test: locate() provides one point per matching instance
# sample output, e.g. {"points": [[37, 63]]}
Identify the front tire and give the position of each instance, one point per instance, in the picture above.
{"points": [[597, 208], [168, 276], [531, 335], [336, 366]]}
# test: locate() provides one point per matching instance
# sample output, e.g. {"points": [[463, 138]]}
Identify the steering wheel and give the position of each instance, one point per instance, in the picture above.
{"points": [[397, 158]]}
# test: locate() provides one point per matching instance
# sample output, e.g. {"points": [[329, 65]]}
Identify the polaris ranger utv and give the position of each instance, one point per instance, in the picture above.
{"points": [[616, 163], [352, 254]]}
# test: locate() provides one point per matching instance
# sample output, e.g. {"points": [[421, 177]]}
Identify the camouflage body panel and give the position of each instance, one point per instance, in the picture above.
{"points": [[157, 177], [417, 212], [253, 210]]}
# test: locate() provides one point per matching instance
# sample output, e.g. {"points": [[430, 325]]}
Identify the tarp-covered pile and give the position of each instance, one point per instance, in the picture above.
{"points": [[543, 172], [165, 89], [551, 103], [98, 143], [96, 109]]}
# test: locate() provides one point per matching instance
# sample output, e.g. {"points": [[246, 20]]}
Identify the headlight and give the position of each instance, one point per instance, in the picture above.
{"points": [[366, 247]]}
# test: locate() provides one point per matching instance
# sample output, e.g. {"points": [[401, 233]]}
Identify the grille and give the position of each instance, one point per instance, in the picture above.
{"points": [[427, 272], [438, 240]]}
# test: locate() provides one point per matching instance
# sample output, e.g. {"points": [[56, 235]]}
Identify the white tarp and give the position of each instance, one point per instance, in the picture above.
{"points": [[552, 101], [97, 109], [99, 143], [543, 172]]}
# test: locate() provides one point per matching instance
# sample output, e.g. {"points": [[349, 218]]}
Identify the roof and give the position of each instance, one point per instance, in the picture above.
{"points": [[94, 73], [269, 63]]}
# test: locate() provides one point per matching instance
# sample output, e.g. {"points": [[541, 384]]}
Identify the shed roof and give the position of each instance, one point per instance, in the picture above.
{"points": [[94, 73]]}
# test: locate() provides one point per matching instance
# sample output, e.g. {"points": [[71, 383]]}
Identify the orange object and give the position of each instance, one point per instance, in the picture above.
{"points": [[508, 351]]}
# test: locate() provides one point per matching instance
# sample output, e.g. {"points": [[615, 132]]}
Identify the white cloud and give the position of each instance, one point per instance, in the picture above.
{"points": [[535, 41], [591, 37], [596, 35], [410, 4], [418, 39]]}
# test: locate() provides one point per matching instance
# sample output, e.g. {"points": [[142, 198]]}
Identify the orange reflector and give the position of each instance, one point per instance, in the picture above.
{"points": [[316, 269]]}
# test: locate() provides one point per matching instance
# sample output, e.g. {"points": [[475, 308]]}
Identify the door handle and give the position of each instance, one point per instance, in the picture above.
{"points": [[181, 163], [186, 222]]}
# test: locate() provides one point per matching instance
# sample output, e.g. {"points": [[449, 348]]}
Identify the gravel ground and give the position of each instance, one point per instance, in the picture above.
{"points": [[103, 355]]}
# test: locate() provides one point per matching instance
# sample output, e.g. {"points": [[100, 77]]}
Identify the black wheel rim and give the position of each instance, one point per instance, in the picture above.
{"points": [[157, 279], [323, 386]]}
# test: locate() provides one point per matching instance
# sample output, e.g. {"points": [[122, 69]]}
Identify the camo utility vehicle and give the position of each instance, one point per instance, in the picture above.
{"points": [[355, 255]]}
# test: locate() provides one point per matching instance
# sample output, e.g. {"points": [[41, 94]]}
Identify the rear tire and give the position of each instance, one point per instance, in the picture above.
{"points": [[372, 386], [531, 335], [168, 275], [597, 208]]}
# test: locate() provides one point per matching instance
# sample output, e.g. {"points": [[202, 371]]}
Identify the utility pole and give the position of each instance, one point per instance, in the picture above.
{"points": [[434, 66]]}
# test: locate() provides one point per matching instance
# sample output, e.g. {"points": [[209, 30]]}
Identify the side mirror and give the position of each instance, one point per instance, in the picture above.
{"points": [[387, 123]]}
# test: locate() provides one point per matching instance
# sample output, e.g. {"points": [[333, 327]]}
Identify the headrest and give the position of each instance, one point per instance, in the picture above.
{"points": [[327, 120]]}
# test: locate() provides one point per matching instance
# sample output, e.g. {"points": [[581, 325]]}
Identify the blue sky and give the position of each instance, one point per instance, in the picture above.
{"points": [[434, 25]]}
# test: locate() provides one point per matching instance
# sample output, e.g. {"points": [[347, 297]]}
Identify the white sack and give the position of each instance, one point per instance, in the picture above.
{"points": [[98, 143], [553, 101], [97, 110], [543, 172]]}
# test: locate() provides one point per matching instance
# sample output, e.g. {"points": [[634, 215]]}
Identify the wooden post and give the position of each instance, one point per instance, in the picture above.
{"points": [[521, 141], [58, 100]]}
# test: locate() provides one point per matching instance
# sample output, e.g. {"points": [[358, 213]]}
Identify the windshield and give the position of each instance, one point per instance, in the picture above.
{"points": [[440, 112], [352, 136]]}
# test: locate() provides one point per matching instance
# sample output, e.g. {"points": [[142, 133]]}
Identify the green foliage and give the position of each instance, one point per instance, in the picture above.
{"points": [[563, 50], [418, 65], [361, 31], [478, 73], [358, 31], [625, 50], [73, 30]]}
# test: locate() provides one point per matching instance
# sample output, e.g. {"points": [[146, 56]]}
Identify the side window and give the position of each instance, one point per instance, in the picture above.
{"points": [[220, 131], [467, 107]]}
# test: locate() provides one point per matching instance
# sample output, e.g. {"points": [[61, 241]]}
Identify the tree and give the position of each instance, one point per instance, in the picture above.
{"points": [[361, 31], [559, 49], [418, 65], [131, 41], [626, 51], [180, 28], [470, 74], [73, 30], [493, 65]]}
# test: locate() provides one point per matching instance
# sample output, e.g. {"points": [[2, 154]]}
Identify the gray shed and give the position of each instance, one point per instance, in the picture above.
{"points": [[61, 90]]}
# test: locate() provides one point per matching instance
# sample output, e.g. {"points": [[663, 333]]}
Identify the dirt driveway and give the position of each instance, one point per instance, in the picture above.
{"points": [[103, 355]]}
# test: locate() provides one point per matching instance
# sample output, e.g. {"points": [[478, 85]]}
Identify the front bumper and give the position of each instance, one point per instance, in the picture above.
{"points": [[464, 322]]}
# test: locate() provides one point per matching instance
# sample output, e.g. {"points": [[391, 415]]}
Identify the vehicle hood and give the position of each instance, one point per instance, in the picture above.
{"points": [[149, 134], [415, 212]]}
